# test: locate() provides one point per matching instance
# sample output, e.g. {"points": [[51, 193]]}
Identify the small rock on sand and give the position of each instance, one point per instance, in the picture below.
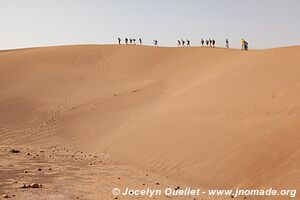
{"points": [[5, 196], [34, 185], [15, 151]]}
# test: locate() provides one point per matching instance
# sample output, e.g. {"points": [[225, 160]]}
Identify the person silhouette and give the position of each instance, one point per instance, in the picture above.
{"points": [[130, 41], [245, 45], [134, 41], [178, 43], [242, 43], [126, 40], [119, 40], [155, 42], [188, 43], [202, 41], [141, 42], [182, 42], [207, 42], [213, 43], [227, 43]]}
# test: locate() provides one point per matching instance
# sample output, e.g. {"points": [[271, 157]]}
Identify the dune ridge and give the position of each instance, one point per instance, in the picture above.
{"points": [[211, 117]]}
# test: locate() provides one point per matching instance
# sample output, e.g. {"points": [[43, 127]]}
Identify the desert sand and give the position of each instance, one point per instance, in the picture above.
{"points": [[205, 117]]}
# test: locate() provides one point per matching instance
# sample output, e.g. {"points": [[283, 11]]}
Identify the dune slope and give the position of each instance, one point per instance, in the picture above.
{"points": [[211, 117]]}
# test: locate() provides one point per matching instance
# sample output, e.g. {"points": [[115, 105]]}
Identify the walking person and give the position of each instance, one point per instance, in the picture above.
{"points": [[119, 40], [207, 42], [141, 42], [155, 43], [126, 40], [130, 41], [243, 44], [202, 42], [188, 43], [227, 43], [210, 42], [178, 43], [213, 43], [134, 41], [182, 42]]}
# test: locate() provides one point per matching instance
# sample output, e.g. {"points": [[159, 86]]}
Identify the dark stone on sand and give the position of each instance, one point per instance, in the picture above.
{"points": [[34, 185], [15, 151]]}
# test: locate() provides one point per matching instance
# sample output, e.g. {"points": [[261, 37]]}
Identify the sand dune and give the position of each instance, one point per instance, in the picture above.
{"points": [[210, 117]]}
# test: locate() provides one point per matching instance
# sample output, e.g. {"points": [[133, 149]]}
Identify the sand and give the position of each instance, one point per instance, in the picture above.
{"points": [[204, 117]]}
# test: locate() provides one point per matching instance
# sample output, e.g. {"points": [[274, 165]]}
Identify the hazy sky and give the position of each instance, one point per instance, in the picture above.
{"points": [[263, 23]]}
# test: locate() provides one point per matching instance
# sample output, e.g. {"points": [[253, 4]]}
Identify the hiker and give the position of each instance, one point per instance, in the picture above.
{"points": [[207, 42], [227, 43], [242, 43], [141, 42], [245, 45], [213, 43], [178, 43], [210, 42], [126, 40], [188, 43], [119, 40], [182, 42], [155, 42], [202, 41]]}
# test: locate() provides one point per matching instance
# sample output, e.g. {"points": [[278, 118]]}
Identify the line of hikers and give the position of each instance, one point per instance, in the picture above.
{"points": [[133, 41], [130, 41], [181, 43], [187, 42], [210, 42]]}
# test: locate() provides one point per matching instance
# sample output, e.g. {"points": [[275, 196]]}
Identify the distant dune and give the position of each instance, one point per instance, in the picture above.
{"points": [[210, 117]]}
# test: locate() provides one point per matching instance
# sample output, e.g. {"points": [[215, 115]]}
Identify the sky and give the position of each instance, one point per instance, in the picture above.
{"points": [[263, 23]]}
